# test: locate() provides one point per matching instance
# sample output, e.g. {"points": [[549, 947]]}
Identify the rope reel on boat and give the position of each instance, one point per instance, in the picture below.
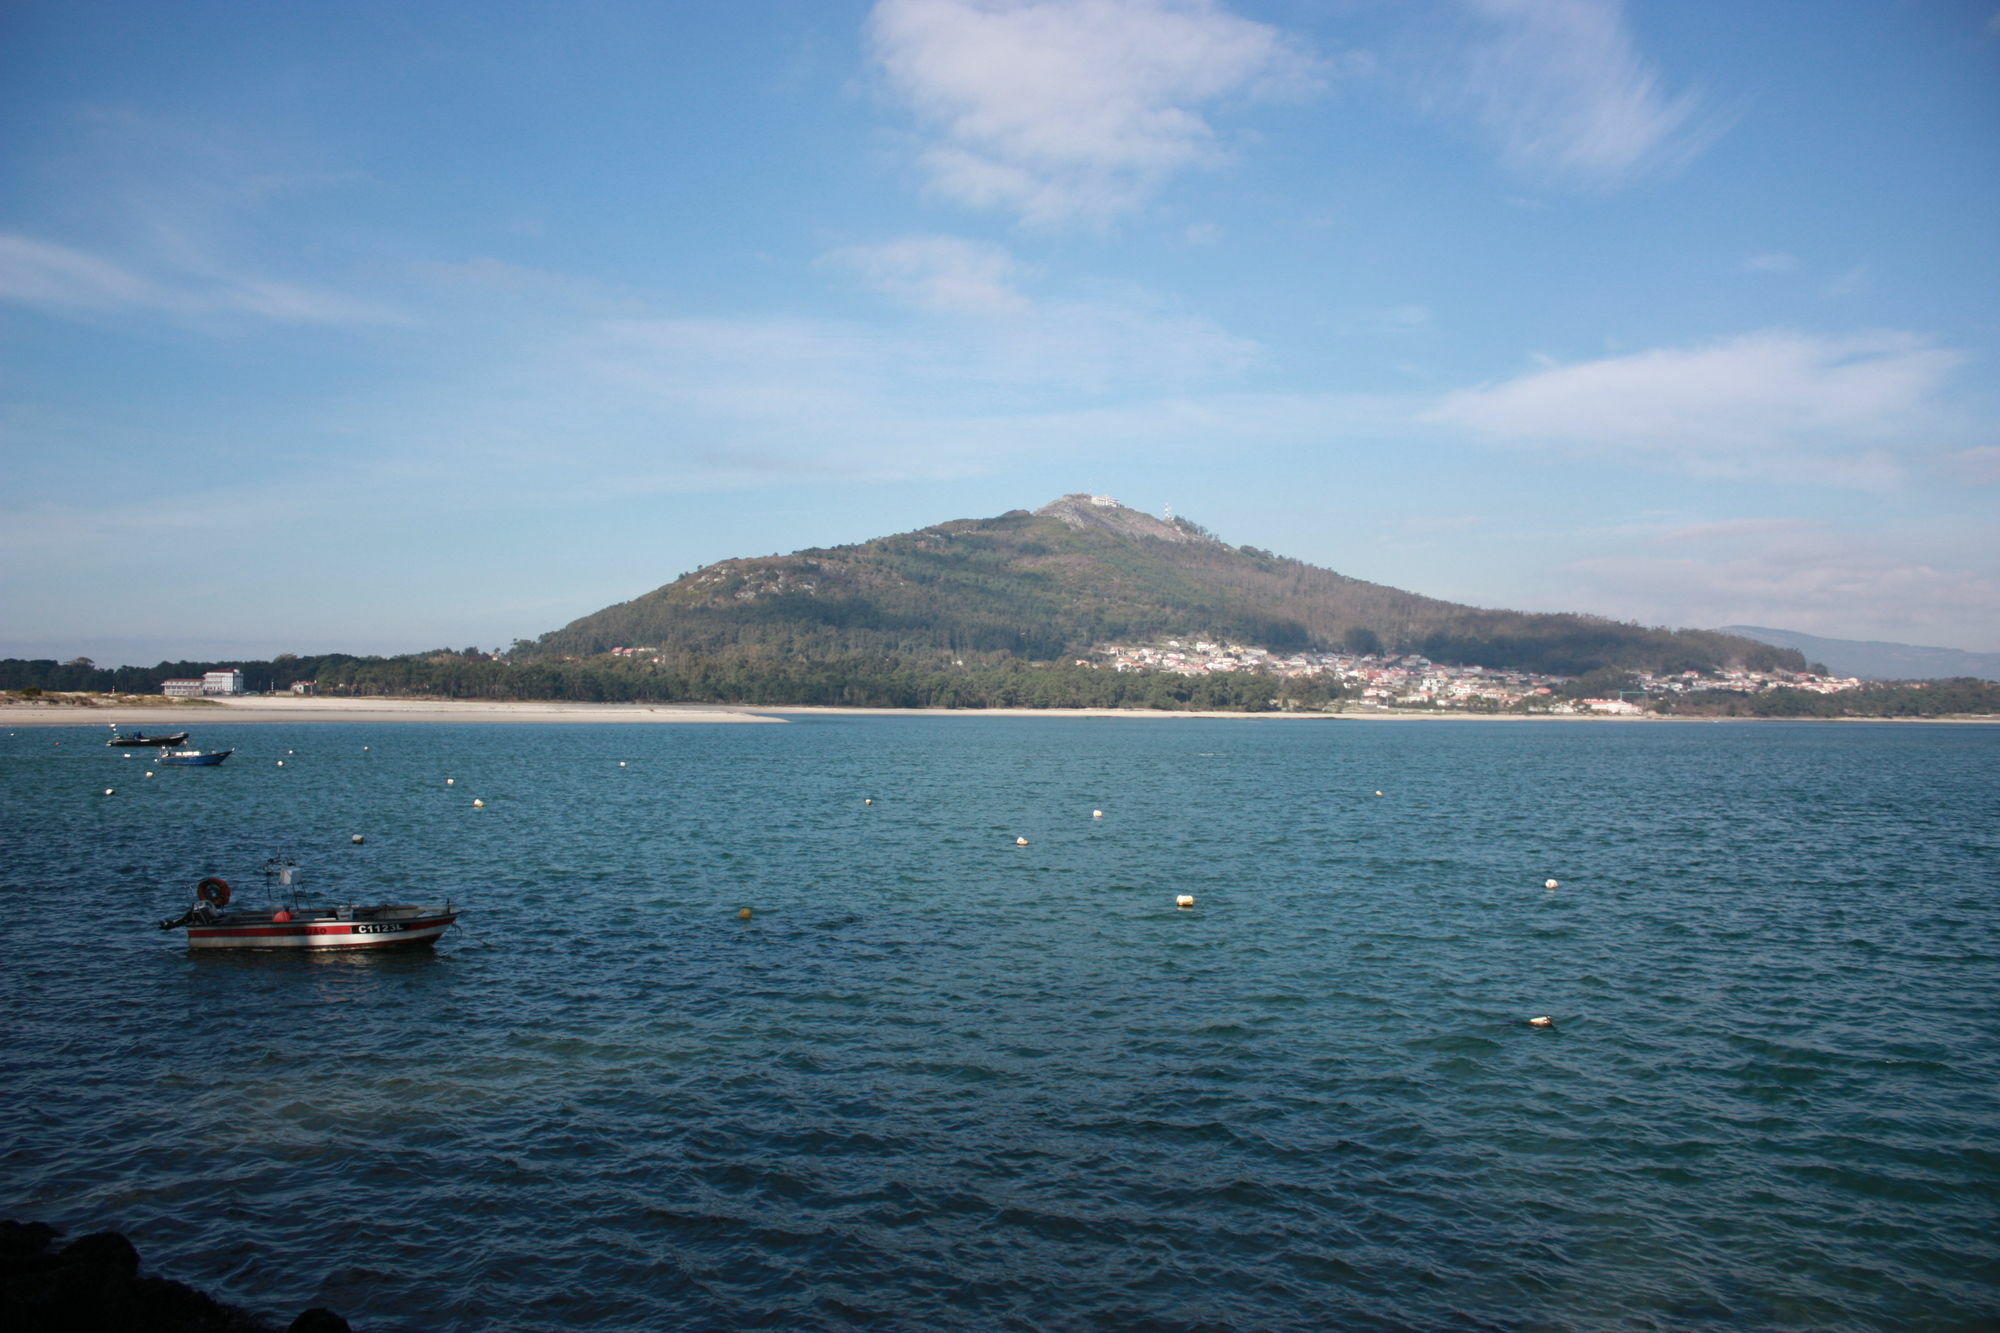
{"points": [[213, 891]]}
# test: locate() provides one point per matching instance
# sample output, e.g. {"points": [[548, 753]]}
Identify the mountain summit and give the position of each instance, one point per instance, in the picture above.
{"points": [[1081, 572], [1103, 514]]}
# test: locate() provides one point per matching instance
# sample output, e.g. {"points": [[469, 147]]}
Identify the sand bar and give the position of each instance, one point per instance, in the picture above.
{"points": [[295, 708], [158, 716]]}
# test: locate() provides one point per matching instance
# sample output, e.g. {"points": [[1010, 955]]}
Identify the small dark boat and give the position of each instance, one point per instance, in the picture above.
{"points": [[141, 738], [195, 758]]}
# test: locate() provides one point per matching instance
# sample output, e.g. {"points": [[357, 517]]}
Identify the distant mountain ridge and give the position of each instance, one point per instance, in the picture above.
{"points": [[1083, 571], [1872, 659]]}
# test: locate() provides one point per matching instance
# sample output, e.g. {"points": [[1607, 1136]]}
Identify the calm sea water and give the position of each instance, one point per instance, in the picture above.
{"points": [[940, 1080]]}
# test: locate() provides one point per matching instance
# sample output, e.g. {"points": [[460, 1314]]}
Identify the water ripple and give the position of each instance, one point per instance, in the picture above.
{"points": [[939, 1080]]}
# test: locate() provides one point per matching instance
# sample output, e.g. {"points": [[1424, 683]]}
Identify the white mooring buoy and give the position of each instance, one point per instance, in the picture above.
{"points": [[478, 804], [1097, 814], [1185, 901], [110, 791], [1551, 884], [1020, 842], [357, 840], [1543, 1022]]}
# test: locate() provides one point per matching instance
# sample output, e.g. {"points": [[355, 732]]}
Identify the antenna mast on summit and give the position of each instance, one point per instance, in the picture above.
{"points": [[1167, 513]]}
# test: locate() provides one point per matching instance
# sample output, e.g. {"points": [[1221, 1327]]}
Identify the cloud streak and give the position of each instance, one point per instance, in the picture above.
{"points": [[62, 280], [946, 274], [1815, 577], [1073, 111], [1780, 405], [1559, 87]]}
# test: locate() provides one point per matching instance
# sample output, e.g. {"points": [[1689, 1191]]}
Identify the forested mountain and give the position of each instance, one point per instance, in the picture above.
{"points": [[1080, 572]]}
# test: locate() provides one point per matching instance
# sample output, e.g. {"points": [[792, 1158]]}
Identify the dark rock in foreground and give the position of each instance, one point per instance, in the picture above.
{"points": [[92, 1285]]}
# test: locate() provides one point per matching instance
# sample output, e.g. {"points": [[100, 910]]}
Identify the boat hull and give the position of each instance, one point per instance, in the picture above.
{"points": [[207, 760], [393, 933], [178, 738]]}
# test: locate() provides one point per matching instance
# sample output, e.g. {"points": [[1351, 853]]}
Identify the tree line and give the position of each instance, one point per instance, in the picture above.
{"points": [[890, 681]]}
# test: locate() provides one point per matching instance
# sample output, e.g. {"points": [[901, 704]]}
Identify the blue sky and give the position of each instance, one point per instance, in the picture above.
{"points": [[376, 327]]}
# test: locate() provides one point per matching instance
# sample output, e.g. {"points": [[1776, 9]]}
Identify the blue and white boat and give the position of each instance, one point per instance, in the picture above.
{"points": [[195, 758]]}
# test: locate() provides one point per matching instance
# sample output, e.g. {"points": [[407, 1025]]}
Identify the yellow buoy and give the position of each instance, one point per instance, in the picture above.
{"points": [[1185, 901], [743, 915]]}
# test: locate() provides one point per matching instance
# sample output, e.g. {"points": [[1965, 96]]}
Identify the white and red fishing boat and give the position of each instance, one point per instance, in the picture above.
{"points": [[213, 924]]}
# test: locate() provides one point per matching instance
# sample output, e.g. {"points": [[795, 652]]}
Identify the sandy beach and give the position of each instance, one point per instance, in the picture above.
{"points": [[296, 708], [159, 716]]}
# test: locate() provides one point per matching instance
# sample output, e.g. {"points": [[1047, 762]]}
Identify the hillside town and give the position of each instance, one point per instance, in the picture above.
{"points": [[1389, 681]]}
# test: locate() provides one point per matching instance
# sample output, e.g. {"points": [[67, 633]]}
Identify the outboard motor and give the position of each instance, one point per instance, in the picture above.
{"points": [[201, 914]]}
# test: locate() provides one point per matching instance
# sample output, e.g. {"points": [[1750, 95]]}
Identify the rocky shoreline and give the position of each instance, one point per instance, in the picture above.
{"points": [[93, 1285]]}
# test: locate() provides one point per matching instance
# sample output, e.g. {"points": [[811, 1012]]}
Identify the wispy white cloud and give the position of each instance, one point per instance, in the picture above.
{"points": [[1979, 465], [1379, 322], [798, 384], [1562, 91], [1774, 404], [205, 227], [1815, 577], [1061, 111], [58, 277], [948, 274], [1428, 526], [64, 280], [1776, 261]]}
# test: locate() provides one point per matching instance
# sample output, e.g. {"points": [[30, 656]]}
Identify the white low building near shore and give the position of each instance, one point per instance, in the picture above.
{"points": [[212, 682]]}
